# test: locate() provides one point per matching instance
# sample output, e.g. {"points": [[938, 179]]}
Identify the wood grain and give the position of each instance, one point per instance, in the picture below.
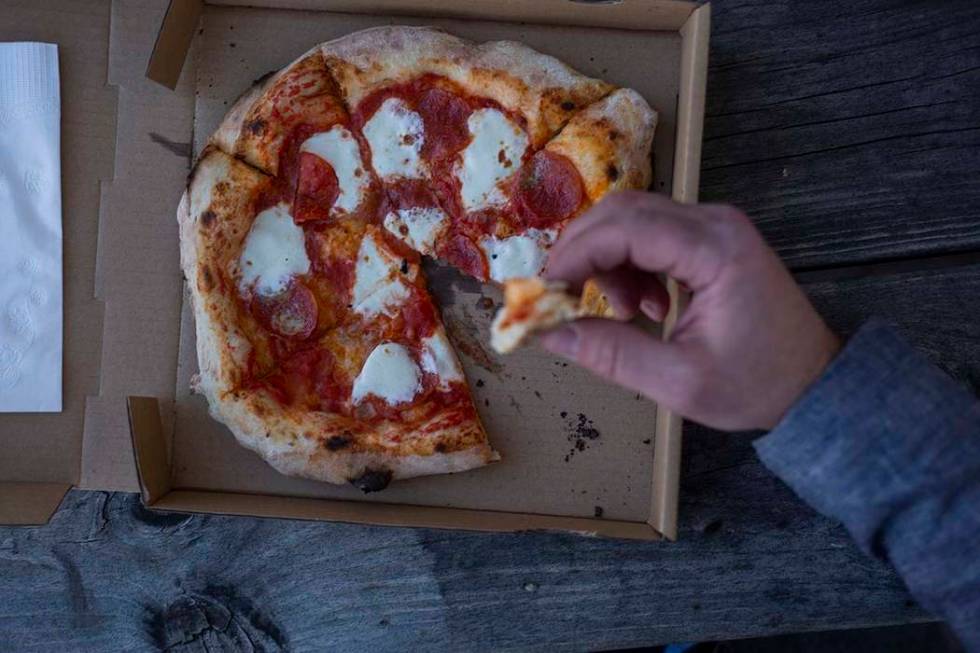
{"points": [[752, 558], [850, 131]]}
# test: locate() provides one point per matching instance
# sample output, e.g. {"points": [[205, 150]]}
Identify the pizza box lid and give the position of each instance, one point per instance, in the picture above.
{"points": [[143, 84]]}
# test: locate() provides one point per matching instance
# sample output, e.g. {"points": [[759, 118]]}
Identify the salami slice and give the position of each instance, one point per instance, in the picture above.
{"points": [[549, 189]]}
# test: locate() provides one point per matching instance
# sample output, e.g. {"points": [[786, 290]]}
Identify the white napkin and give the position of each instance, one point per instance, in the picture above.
{"points": [[30, 228]]}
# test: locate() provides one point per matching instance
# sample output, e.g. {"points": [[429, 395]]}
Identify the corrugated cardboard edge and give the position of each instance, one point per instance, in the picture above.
{"points": [[157, 494], [149, 448], [173, 41], [695, 34], [177, 30], [383, 514], [619, 14], [30, 504]]}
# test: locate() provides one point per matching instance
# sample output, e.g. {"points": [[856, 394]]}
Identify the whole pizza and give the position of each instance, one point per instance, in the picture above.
{"points": [[304, 220]]}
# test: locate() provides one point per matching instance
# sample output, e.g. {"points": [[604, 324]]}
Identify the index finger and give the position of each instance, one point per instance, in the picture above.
{"points": [[646, 231]]}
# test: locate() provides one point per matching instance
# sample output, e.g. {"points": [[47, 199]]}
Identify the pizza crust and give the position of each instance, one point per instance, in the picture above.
{"points": [[324, 447], [528, 83], [609, 142], [374, 58], [213, 218], [257, 124]]}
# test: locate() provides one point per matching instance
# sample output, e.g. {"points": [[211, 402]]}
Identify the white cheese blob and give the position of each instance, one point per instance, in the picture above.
{"points": [[379, 285], [395, 134], [439, 358], [389, 373], [523, 255], [492, 155], [418, 227], [274, 252], [338, 147]]}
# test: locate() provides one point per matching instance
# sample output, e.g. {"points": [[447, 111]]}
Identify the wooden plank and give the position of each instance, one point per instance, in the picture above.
{"points": [[850, 131], [752, 559]]}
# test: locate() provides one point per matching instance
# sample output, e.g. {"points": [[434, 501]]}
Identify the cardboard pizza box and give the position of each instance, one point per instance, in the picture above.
{"points": [[143, 85]]}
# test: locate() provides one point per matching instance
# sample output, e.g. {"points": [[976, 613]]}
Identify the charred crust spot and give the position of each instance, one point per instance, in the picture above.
{"points": [[208, 218], [207, 279], [441, 447], [372, 480], [612, 172], [256, 127], [567, 105], [264, 78], [614, 134], [338, 442]]}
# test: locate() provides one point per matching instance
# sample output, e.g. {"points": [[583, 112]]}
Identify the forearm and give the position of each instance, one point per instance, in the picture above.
{"points": [[889, 445]]}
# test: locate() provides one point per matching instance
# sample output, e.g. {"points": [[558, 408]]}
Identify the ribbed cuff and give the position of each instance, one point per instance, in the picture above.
{"points": [[28, 72]]}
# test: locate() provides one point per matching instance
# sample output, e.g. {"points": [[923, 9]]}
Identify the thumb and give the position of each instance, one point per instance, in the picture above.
{"points": [[623, 353]]}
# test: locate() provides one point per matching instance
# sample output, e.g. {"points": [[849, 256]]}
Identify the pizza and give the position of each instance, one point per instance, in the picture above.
{"points": [[305, 217]]}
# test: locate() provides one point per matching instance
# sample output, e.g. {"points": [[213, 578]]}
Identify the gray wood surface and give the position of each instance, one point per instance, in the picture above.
{"points": [[107, 574], [850, 131]]}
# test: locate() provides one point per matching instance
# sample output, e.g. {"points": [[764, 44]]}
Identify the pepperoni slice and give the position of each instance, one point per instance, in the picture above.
{"points": [[549, 189], [316, 189], [463, 253], [291, 314], [445, 115]]}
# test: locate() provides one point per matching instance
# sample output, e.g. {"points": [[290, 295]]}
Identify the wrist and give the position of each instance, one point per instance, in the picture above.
{"points": [[826, 349]]}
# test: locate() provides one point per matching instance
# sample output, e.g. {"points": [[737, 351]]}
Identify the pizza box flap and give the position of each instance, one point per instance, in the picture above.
{"points": [[41, 451], [177, 29], [127, 148]]}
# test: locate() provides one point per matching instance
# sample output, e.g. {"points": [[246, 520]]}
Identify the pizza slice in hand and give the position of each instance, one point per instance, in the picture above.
{"points": [[531, 305]]}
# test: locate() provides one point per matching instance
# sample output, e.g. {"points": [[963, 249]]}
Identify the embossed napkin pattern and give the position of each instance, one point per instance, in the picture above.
{"points": [[30, 229]]}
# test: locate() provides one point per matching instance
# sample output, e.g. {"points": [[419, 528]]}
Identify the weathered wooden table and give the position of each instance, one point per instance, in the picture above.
{"points": [[851, 132]]}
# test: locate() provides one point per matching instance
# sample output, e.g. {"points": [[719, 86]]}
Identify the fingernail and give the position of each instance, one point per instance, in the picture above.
{"points": [[562, 341]]}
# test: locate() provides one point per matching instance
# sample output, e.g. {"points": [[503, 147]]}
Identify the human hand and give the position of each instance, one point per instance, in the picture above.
{"points": [[747, 346]]}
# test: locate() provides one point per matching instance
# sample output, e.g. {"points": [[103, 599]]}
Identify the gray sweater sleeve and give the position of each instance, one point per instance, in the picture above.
{"points": [[890, 445]]}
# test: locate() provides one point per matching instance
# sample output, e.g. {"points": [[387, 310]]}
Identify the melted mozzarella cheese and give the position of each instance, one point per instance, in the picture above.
{"points": [[395, 134], [389, 373], [274, 252], [339, 148], [493, 154], [439, 358], [523, 255], [418, 227], [379, 285]]}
